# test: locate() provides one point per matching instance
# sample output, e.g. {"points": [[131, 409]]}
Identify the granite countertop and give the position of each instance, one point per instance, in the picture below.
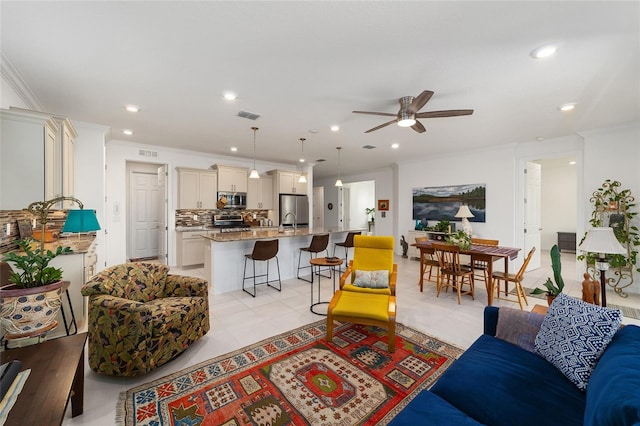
{"points": [[258, 234], [80, 244]]}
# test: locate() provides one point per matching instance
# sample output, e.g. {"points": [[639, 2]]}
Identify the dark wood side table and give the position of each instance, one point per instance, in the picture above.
{"points": [[57, 375], [567, 241], [331, 262]]}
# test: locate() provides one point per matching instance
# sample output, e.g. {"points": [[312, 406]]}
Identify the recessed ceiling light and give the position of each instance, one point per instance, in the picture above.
{"points": [[302, 160], [132, 108], [543, 51], [572, 162], [539, 138], [567, 107], [395, 145], [127, 132], [313, 130], [234, 149], [335, 128], [230, 96]]}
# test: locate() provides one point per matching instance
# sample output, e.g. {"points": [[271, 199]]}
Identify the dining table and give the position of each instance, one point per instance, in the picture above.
{"points": [[478, 252]]}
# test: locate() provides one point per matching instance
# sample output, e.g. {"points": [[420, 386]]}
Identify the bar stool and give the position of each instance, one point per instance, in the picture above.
{"points": [[263, 250], [318, 244], [347, 244]]}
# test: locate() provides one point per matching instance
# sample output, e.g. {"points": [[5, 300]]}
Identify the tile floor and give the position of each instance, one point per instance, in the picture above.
{"points": [[238, 319]]}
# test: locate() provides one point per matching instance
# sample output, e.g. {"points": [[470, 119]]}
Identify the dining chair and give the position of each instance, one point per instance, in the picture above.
{"points": [[429, 260], [455, 273], [482, 265], [516, 279]]}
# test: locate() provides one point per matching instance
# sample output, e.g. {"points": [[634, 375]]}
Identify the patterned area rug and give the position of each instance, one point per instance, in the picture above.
{"points": [[296, 378]]}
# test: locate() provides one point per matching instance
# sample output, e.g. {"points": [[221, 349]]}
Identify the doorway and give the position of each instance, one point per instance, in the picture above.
{"points": [[146, 212], [550, 203], [357, 197]]}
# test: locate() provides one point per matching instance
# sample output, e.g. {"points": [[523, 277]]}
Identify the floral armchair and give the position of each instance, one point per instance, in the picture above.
{"points": [[141, 317]]}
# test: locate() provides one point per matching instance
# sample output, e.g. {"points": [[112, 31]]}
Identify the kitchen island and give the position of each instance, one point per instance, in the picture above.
{"points": [[224, 255]]}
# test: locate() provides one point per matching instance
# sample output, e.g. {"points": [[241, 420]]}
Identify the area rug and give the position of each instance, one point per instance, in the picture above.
{"points": [[296, 378]]}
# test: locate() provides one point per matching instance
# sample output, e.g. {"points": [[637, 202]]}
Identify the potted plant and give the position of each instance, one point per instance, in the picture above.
{"points": [[553, 289], [31, 302], [461, 239], [372, 212], [442, 226]]}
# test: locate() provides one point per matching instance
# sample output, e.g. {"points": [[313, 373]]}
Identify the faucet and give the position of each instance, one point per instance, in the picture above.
{"points": [[295, 220]]}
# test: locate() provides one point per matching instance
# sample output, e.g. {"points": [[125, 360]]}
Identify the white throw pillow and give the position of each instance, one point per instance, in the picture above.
{"points": [[574, 334], [372, 279]]}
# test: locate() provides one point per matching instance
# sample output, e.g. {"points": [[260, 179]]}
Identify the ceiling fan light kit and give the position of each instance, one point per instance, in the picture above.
{"points": [[408, 114]]}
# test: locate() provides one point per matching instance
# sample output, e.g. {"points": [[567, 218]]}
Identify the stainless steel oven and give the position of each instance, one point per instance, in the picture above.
{"points": [[235, 200]]}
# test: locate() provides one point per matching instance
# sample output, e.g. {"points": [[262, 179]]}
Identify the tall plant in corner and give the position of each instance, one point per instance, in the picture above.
{"points": [[613, 206], [553, 289]]}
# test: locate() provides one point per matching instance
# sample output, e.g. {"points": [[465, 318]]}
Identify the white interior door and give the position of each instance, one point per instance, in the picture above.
{"points": [[532, 213], [145, 220], [163, 254]]}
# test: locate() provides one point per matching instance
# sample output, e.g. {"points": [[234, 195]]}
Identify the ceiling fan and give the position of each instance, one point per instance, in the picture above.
{"points": [[409, 107]]}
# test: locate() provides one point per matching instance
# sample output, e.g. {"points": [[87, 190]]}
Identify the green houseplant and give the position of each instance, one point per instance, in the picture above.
{"points": [[461, 239], [442, 226], [31, 302], [372, 212], [553, 289]]}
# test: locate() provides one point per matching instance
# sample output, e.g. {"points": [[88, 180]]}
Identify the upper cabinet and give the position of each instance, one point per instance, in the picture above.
{"points": [[196, 188], [67, 136], [231, 179], [260, 194], [286, 182], [36, 158]]}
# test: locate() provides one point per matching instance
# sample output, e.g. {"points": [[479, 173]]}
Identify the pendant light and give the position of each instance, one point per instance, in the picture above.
{"points": [[303, 177], [339, 181], [254, 173]]}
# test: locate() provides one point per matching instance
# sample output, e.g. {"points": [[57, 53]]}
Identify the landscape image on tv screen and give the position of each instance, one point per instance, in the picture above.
{"points": [[443, 202]]}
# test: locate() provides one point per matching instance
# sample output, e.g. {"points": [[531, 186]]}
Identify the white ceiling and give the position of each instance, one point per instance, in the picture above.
{"points": [[307, 65]]}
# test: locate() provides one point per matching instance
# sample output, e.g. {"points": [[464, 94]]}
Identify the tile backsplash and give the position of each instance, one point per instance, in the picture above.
{"points": [[55, 222], [196, 217]]}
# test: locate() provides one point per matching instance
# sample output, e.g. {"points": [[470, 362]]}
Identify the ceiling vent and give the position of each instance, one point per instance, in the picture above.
{"points": [[248, 115], [369, 147], [320, 160]]}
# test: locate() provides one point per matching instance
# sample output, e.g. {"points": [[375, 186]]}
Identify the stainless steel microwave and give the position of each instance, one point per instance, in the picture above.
{"points": [[235, 200]]}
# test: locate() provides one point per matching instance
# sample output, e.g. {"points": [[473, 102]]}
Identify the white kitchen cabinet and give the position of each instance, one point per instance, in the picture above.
{"points": [[413, 251], [260, 193], [287, 182], [190, 247], [77, 268], [231, 179], [28, 142], [67, 136], [196, 188]]}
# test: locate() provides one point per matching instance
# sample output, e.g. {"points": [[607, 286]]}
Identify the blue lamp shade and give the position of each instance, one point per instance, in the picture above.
{"points": [[81, 221]]}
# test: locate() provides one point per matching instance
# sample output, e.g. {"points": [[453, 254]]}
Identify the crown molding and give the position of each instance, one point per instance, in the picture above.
{"points": [[15, 80]]}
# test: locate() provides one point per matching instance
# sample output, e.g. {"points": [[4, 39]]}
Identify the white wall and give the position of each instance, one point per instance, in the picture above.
{"points": [[559, 202], [9, 97], [89, 177]]}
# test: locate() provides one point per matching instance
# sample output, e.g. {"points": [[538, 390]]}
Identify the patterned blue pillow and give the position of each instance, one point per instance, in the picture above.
{"points": [[574, 334]]}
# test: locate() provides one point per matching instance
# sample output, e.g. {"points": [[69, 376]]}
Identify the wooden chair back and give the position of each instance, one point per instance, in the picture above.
{"points": [[448, 257], [484, 242], [520, 273]]}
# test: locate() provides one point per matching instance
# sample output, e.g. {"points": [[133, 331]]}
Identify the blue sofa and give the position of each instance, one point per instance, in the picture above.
{"points": [[499, 383]]}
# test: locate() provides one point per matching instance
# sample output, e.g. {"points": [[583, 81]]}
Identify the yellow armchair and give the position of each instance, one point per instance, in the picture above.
{"points": [[371, 253]]}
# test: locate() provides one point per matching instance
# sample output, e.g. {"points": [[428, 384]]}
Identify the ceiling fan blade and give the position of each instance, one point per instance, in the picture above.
{"points": [[420, 101], [384, 114], [418, 127], [381, 126], [445, 113]]}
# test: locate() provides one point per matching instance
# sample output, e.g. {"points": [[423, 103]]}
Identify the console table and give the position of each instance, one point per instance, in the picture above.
{"points": [[57, 375], [567, 241]]}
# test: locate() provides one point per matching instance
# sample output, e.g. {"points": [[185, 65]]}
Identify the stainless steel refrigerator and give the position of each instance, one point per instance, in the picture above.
{"points": [[296, 204]]}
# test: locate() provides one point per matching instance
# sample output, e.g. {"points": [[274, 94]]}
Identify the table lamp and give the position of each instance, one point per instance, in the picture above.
{"points": [[41, 209], [602, 241], [465, 213]]}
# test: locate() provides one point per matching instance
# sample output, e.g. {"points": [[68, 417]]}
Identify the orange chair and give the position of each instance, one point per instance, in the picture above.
{"points": [[516, 279]]}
